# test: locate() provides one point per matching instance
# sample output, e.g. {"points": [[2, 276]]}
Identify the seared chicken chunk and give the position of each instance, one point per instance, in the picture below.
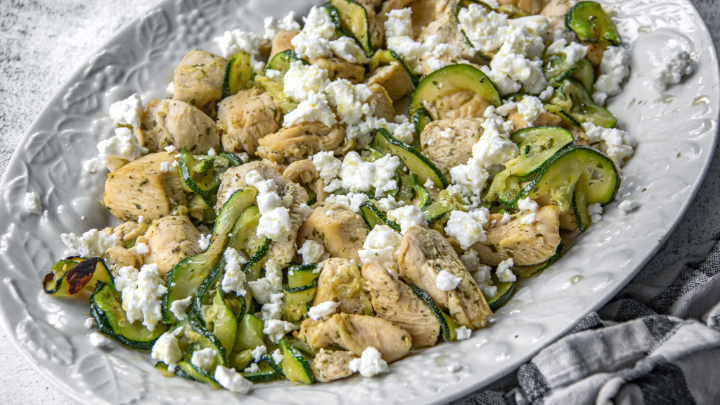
{"points": [[331, 365], [118, 257], [527, 244], [176, 123], [423, 254], [340, 281], [198, 80], [339, 69], [140, 188], [282, 42], [356, 333], [341, 231], [394, 78], [448, 143], [246, 117], [394, 301], [543, 120], [556, 11], [447, 28], [461, 104], [300, 141], [171, 239], [381, 102]]}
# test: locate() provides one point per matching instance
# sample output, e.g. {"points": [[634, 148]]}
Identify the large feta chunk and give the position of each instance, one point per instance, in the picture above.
{"points": [[614, 68], [314, 109], [203, 358], [232, 380], [91, 244], [445, 281], [381, 246], [120, 149], [273, 26], [322, 310], [275, 329], [671, 70], [234, 277], [370, 363], [128, 111], [167, 350], [504, 272], [233, 42], [301, 80], [468, 228], [141, 293], [311, 251]]}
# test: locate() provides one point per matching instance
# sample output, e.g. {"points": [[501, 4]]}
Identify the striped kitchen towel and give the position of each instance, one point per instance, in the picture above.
{"points": [[649, 346]]}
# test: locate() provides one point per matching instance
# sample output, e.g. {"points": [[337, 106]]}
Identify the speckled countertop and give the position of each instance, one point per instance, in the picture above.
{"points": [[42, 42]]}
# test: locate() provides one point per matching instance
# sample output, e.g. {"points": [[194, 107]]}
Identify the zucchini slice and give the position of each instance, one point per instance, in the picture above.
{"points": [[192, 336], [441, 208], [374, 216], [231, 158], [266, 374], [243, 236], [238, 74], [213, 311], [568, 119], [186, 277], [591, 23], [276, 89], [572, 96], [415, 161], [451, 79], [302, 274], [112, 320], [71, 275], [188, 371], [354, 19], [296, 301], [537, 269], [420, 119], [421, 194], [405, 190], [200, 175], [447, 324], [580, 208], [295, 366], [385, 57], [282, 61], [340, 31], [254, 265], [557, 69], [241, 360], [250, 334], [560, 174], [505, 291]]}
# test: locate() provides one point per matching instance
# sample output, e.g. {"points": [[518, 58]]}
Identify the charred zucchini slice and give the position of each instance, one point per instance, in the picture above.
{"points": [[71, 275], [591, 23], [238, 74], [415, 161], [354, 19], [452, 79], [295, 366]]}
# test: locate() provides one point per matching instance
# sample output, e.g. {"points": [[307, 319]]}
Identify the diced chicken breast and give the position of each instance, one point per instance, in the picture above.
{"points": [[300, 141], [198, 80], [177, 123], [171, 239], [340, 69], [381, 102], [394, 78], [461, 104], [245, 118], [282, 42], [543, 120], [532, 7], [331, 365], [340, 281], [341, 231], [448, 143], [118, 257]]}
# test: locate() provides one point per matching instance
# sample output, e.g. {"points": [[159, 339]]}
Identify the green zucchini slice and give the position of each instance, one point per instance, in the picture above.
{"points": [[295, 366], [238, 74], [254, 265], [340, 31], [591, 23], [243, 236], [186, 277], [452, 79], [568, 119], [71, 275], [201, 176], [266, 374], [441, 208], [112, 320], [192, 336], [241, 359], [212, 310], [276, 89], [557, 70], [580, 208], [421, 194], [415, 161], [374, 216], [188, 371], [231, 158], [296, 301], [421, 118], [354, 19], [250, 334], [504, 293], [302, 274], [537, 269], [386, 57], [447, 324], [572, 96], [282, 61]]}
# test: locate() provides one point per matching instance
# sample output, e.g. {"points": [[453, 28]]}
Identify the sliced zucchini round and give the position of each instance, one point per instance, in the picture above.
{"points": [[302, 274], [282, 61], [212, 310], [582, 108], [536, 145], [188, 371], [198, 177], [557, 69], [568, 119], [537, 269], [71, 275], [451, 79], [420, 119], [354, 19], [193, 337], [415, 161], [441, 208], [340, 31], [238, 74], [374, 216], [422, 196], [250, 334], [591, 23], [386, 57], [295, 366], [504, 293], [254, 265]]}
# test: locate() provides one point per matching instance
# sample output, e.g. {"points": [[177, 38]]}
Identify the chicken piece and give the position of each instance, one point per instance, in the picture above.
{"points": [[447, 28], [234, 179], [461, 104], [302, 171], [282, 42], [382, 102], [532, 7], [390, 5], [341, 231], [130, 230], [543, 120], [118, 257], [556, 10], [423, 254], [140, 188], [457, 150], [177, 123], [198, 80], [340, 69], [246, 117], [300, 141], [527, 244], [568, 221], [331, 365], [423, 13], [394, 301], [596, 52], [356, 333], [394, 79], [340, 281], [171, 239]]}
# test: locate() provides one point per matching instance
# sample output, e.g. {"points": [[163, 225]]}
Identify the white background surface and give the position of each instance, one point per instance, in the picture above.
{"points": [[43, 41]]}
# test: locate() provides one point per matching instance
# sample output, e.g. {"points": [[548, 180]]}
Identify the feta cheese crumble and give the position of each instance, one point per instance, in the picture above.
{"points": [[275, 217], [273, 309], [530, 108], [277, 356], [314, 109], [468, 228], [128, 111], [370, 363], [258, 352], [91, 244], [275, 329], [407, 217], [381, 246], [273, 26], [463, 333], [504, 273], [32, 203], [234, 278], [120, 149], [204, 358], [314, 40], [327, 165], [573, 52], [141, 248], [90, 322], [167, 350], [99, 340], [141, 293], [311, 251], [265, 287], [445, 281], [179, 308], [614, 69], [616, 143], [301, 80], [322, 310], [595, 211], [91, 165], [232, 380], [671, 71], [204, 241], [628, 206], [348, 50]]}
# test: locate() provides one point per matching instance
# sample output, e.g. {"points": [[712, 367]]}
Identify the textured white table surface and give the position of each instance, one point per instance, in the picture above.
{"points": [[42, 42]]}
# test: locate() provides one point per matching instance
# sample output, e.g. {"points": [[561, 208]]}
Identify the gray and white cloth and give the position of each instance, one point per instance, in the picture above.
{"points": [[643, 347]]}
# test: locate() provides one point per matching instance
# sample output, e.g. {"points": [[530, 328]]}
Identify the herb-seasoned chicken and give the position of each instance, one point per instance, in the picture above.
{"points": [[448, 143], [118, 257], [176, 123], [543, 120], [246, 117], [356, 333], [394, 79], [171, 239], [532, 7], [282, 42], [300, 141], [340, 69], [461, 104], [394, 301], [341, 231], [198, 80], [447, 28], [140, 188], [381, 102], [340, 281], [556, 10], [331, 365], [527, 244], [423, 254]]}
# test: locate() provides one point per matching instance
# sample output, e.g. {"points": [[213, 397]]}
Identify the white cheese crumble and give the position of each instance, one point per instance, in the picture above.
{"points": [[275, 217], [547, 93], [480, 272], [234, 278], [233, 42], [170, 89], [91, 165], [399, 23], [204, 241], [232, 380], [204, 358], [370, 363], [628, 206], [273, 26], [357, 175], [314, 40], [463, 333], [616, 143], [258, 352], [141, 248], [445, 281], [595, 211], [179, 308], [484, 30], [530, 108], [381, 246], [31, 202], [314, 109], [311, 251], [407, 217], [388, 203], [526, 204], [277, 356], [265, 287], [573, 52], [167, 350], [614, 69], [448, 133], [504, 273], [275, 329], [166, 167], [120, 149], [322, 310], [348, 50], [98, 340], [128, 111], [468, 228], [349, 100], [252, 369], [89, 322], [141, 293], [273, 309], [91, 244], [301, 80], [327, 165], [671, 71]]}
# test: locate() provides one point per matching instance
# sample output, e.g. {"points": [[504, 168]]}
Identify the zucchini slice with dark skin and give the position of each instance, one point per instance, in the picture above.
{"points": [[213, 312], [250, 334], [556, 70], [568, 119], [591, 23], [193, 337], [572, 96], [186, 277], [106, 308], [302, 274], [423, 196], [265, 375], [354, 19], [385, 57], [240, 360], [232, 159], [69, 276], [451, 79], [282, 61], [504, 293], [441, 208], [201, 176], [580, 208], [536, 270], [420, 119], [447, 324], [254, 265], [295, 366], [238, 74], [270, 361], [340, 31], [374, 216], [296, 300], [188, 371], [415, 161]]}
